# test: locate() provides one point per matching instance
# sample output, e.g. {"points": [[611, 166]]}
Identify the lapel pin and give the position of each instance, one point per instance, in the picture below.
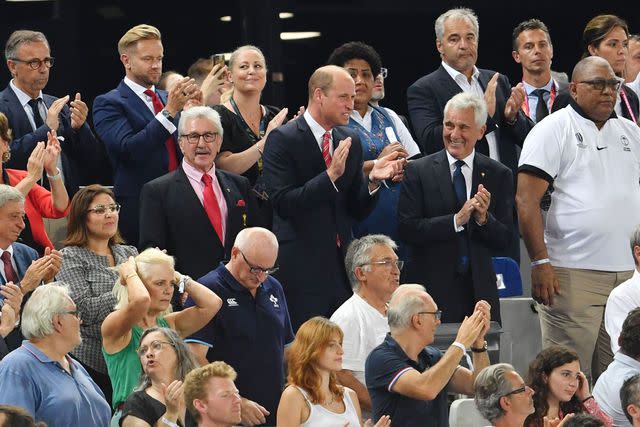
{"points": [[228, 190], [482, 174]]}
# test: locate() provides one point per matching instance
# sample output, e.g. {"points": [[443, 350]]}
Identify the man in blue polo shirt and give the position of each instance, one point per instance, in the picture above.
{"points": [[409, 382], [252, 327]]}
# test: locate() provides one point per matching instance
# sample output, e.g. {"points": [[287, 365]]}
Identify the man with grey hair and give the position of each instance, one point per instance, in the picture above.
{"points": [[196, 211], [40, 376], [630, 399], [373, 269], [456, 207], [252, 327], [406, 377], [21, 270], [588, 155], [32, 114], [502, 397]]}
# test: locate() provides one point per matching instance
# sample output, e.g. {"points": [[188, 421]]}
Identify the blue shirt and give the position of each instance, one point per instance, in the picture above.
{"points": [[29, 379], [384, 366], [249, 334]]}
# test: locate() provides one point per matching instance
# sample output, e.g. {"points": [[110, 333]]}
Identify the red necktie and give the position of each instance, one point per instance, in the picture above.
{"points": [[326, 154], [211, 206], [170, 143], [9, 272]]}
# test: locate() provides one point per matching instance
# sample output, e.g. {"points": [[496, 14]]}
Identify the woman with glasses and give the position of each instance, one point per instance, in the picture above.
{"points": [[40, 203], [313, 396], [93, 248], [560, 387], [246, 123], [143, 293], [159, 399]]}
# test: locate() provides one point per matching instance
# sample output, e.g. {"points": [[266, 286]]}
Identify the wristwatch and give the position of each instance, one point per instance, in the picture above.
{"points": [[481, 349], [167, 114], [182, 284]]}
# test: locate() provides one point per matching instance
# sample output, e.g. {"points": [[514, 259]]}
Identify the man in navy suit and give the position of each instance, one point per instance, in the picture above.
{"points": [[19, 265], [456, 207], [136, 122], [32, 113], [313, 170]]}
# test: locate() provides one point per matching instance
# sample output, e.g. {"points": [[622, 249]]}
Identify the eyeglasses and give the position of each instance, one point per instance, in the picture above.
{"points": [[384, 72], [387, 263], [194, 138], [156, 345], [35, 64], [257, 270], [600, 84], [74, 313], [102, 209], [437, 314], [516, 391]]}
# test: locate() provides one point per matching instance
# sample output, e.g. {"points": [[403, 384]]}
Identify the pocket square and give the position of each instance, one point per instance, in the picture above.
{"points": [[240, 203]]}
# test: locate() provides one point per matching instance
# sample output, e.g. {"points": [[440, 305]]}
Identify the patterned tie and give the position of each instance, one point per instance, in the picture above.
{"points": [[541, 107], [35, 107], [326, 154], [460, 187], [9, 272], [211, 206], [170, 143]]}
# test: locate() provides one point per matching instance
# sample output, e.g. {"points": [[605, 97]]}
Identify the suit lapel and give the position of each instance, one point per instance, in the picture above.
{"points": [[442, 172], [20, 123], [134, 101], [311, 146], [479, 175], [448, 83], [231, 220]]}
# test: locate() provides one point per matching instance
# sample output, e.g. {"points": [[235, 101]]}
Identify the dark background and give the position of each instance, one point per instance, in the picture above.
{"points": [[83, 36]]}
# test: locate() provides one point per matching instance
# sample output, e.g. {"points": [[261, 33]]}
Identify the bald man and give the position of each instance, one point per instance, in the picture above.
{"points": [[313, 171], [581, 252]]}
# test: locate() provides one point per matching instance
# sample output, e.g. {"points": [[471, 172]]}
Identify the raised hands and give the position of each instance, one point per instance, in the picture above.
{"points": [[180, 93], [481, 202], [514, 103], [389, 166], [474, 327], [339, 159], [214, 82], [52, 154], [53, 113], [174, 398], [79, 112]]}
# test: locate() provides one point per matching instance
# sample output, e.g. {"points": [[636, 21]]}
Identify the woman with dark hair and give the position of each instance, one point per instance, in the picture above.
{"points": [[560, 387], [607, 36], [165, 360], [93, 247], [313, 396], [14, 416]]}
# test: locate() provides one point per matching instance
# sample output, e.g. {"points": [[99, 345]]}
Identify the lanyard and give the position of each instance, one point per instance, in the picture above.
{"points": [[624, 97], [552, 97], [253, 138]]}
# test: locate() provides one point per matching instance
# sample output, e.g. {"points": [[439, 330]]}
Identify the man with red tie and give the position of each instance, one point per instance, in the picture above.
{"points": [[196, 211], [136, 122]]}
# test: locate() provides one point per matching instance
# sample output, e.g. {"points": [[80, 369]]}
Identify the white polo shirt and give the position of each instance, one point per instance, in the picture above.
{"points": [[596, 179], [622, 299]]}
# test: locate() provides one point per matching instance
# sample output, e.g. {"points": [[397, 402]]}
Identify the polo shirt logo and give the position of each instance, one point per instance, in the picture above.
{"points": [[274, 301], [580, 140], [625, 143], [231, 302]]}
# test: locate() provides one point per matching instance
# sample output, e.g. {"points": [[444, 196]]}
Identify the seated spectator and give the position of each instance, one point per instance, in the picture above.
{"points": [[582, 420], [408, 379], [10, 304], [40, 376], [313, 397], [159, 398], [626, 363], [12, 416], [93, 247], [168, 79], [252, 327], [561, 387], [374, 272], [144, 292], [630, 398], [624, 297], [211, 395], [40, 203], [501, 396]]}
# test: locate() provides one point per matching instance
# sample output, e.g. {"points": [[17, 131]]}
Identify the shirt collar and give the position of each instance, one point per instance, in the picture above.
{"points": [[455, 73], [467, 160], [627, 360], [39, 354], [138, 89], [9, 249], [359, 119], [232, 282], [530, 88], [196, 174], [315, 127], [22, 96]]}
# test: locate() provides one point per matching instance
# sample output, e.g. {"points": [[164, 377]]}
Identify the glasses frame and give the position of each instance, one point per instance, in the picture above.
{"points": [[74, 313], [437, 314], [142, 350], [384, 72], [522, 389], [386, 263], [594, 83], [112, 208], [253, 269], [189, 137], [37, 62]]}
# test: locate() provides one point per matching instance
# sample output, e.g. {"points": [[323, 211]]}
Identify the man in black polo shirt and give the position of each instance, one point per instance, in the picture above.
{"points": [[409, 382], [252, 327]]}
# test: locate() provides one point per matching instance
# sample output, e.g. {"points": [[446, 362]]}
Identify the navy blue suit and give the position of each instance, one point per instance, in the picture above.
{"points": [[309, 213], [81, 151], [135, 142], [23, 255]]}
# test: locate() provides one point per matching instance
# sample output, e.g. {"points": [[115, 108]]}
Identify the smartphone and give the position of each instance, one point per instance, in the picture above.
{"points": [[217, 58]]}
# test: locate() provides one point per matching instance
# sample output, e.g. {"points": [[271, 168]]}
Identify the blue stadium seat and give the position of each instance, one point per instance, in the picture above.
{"points": [[508, 273]]}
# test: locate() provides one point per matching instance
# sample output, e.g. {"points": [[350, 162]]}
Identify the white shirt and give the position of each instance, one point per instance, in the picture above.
{"points": [[404, 136], [13, 261], [606, 392], [596, 197], [139, 90], [635, 85], [622, 299], [474, 88]]}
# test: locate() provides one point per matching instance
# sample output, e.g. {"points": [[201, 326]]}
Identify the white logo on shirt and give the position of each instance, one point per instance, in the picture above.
{"points": [[231, 302], [274, 300], [580, 139], [625, 143]]}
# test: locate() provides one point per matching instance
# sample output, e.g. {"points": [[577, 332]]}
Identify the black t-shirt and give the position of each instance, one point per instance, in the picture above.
{"points": [[140, 405]]}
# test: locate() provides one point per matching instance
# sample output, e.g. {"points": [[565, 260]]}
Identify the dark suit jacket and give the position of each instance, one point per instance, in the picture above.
{"points": [[81, 152], [564, 98], [309, 213], [425, 221], [172, 218], [23, 255], [135, 143], [426, 100]]}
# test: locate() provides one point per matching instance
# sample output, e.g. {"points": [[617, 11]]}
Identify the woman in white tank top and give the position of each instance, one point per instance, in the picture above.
{"points": [[313, 397]]}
